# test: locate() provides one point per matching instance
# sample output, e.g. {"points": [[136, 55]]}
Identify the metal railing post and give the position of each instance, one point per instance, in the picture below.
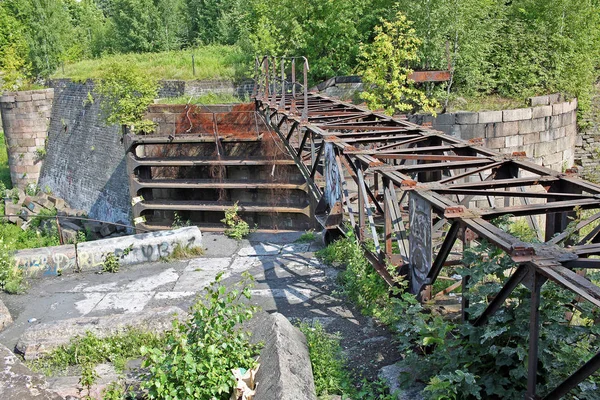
{"points": [[304, 119], [293, 105], [282, 102]]}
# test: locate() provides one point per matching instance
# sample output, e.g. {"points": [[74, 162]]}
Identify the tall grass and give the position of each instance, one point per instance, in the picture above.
{"points": [[205, 99], [211, 62]]}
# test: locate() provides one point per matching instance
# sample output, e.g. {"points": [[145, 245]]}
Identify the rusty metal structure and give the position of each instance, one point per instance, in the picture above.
{"points": [[208, 161], [400, 185]]}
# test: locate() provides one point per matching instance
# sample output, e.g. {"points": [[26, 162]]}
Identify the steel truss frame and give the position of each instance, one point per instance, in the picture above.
{"points": [[399, 168]]}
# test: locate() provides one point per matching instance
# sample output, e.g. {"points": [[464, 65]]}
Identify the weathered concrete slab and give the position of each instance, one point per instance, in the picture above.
{"points": [[43, 338], [285, 372], [5, 317], [134, 249], [17, 382]]}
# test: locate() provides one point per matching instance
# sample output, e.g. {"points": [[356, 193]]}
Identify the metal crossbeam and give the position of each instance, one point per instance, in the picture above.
{"points": [[388, 158]]}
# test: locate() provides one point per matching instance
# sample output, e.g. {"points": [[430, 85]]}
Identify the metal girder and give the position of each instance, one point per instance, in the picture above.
{"points": [[449, 175]]}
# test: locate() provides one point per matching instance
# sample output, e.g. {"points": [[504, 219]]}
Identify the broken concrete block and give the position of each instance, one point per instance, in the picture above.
{"points": [[92, 226], [5, 317], [11, 208], [70, 225], [107, 230], [58, 203], [285, 372], [25, 214], [17, 382], [44, 203], [42, 338], [16, 220], [68, 235]]}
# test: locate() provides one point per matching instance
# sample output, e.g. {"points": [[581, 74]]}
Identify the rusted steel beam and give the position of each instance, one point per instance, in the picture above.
{"points": [[158, 183], [575, 379], [216, 206], [436, 166], [544, 208], [499, 193], [510, 285], [429, 76]]}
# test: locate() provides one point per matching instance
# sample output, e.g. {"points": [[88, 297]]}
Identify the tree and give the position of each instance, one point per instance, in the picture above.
{"points": [[14, 67], [48, 31], [385, 71]]}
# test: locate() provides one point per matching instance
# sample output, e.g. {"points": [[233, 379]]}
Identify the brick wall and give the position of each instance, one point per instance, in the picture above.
{"points": [[85, 161], [25, 117], [546, 132]]}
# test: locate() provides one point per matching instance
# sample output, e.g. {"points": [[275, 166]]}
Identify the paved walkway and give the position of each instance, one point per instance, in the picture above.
{"points": [[289, 279]]}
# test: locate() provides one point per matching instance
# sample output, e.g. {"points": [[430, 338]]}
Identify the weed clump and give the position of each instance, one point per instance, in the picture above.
{"points": [[237, 228], [11, 277], [198, 354]]}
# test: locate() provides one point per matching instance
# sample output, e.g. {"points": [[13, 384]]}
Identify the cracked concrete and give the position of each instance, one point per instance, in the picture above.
{"points": [[289, 279]]}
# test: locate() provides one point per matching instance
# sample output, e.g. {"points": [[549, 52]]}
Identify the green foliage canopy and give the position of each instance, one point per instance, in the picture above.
{"points": [[384, 69]]}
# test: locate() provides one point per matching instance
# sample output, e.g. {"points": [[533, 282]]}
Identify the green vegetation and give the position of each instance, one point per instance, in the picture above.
{"points": [[307, 237], [458, 360], [205, 99], [330, 372], [211, 62], [111, 263], [91, 350], [4, 169], [198, 355], [385, 73], [126, 92], [181, 252], [508, 49], [236, 227], [11, 277]]}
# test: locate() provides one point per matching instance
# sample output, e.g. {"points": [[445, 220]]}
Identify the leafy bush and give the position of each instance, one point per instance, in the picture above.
{"points": [[331, 375], [11, 277], [237, 228], [199, 353], [91, 350], [326, 358], [126, 93], [459, 360], [385, 69], [111, 263]]}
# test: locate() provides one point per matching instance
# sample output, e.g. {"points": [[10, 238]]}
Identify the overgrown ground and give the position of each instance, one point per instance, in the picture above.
{"points": [[211, 62]]}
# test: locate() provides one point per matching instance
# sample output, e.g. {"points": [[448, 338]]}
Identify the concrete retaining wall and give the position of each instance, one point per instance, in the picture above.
{"points": [[546, 132], [25, 118], [176, 88], [147, 247]]}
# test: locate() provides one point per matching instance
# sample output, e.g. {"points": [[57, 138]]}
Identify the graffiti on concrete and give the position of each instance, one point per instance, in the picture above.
{"points": [[419, 240], [90, 255]]}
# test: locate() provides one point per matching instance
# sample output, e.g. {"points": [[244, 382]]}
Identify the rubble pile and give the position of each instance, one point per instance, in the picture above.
{"points": [[22, 209]]}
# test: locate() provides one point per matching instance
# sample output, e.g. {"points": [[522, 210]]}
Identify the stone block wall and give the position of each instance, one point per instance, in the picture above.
{"points": [[25, 118], [587, 152], [546, 132]]}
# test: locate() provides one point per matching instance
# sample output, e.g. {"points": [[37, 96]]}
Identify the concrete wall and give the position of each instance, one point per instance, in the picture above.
{"points": [[147, 247], [85, 161], [25, 117], [176, 88], [546, 132]]}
